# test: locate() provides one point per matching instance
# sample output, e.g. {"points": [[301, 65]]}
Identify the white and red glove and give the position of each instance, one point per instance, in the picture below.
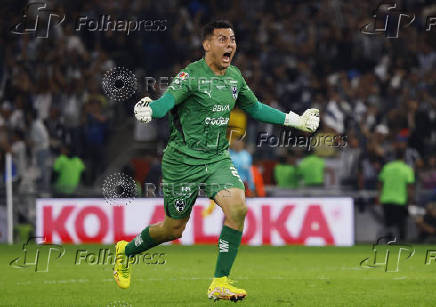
{"points": [[142, 110], [308, 122]]}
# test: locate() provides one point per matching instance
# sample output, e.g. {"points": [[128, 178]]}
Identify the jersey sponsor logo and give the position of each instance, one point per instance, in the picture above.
{"points": [[224, 246], [219, 108], [179, 204], [234, 92], [219, 121]]}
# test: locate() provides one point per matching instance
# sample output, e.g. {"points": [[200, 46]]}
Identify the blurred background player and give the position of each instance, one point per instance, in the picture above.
{"points": [[396, 191]]}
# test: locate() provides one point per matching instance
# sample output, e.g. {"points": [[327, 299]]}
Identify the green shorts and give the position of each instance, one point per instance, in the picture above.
{"points": [[181, 184]]}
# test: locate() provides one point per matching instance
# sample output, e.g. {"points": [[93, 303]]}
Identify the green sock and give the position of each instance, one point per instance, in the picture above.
{"points": [[228, 244], [140, 243]]}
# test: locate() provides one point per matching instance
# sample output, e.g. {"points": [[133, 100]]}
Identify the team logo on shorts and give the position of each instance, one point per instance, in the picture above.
{"points": [[234, 92], [179, 204]]}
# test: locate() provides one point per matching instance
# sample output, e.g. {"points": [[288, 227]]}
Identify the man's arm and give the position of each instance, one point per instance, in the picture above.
{"points": [[248, 102], [308, 122]]}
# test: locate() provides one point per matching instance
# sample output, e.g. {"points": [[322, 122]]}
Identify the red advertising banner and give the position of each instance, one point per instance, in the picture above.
{"points": [[269, 221]]}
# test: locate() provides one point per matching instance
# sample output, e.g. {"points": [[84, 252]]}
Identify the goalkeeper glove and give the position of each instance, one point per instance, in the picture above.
{"points": [[308, 122], [142, 110]]}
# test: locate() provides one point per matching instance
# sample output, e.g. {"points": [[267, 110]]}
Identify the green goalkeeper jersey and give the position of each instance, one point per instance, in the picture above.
{"points": [[199, 119]]}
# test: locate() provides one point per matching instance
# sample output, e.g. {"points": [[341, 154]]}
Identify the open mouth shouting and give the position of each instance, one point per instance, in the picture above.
{"points": [[227, 56]]}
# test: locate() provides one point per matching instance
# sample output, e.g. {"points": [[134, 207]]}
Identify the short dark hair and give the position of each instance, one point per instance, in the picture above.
{"points": [[217, 24]]}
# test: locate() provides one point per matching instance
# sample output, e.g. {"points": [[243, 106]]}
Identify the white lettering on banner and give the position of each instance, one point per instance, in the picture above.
{"points": [[269, 221]]}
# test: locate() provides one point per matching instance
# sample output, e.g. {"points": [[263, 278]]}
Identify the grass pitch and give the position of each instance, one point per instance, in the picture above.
{"points": [[272, 276]]}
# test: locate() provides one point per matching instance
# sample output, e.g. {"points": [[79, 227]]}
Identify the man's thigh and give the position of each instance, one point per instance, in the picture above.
{"points": [[222, 176]]}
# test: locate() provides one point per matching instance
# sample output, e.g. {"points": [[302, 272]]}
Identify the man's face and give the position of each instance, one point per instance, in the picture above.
{"points": [[221, 47]]}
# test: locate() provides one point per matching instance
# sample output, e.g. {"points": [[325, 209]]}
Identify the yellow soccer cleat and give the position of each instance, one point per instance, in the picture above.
{"points": [[122, 267], [222, 289]]}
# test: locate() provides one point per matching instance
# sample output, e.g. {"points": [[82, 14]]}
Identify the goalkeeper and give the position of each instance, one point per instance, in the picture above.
{"points": [[198, 102]]}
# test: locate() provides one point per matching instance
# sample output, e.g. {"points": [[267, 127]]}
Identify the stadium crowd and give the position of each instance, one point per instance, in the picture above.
{"points": [[377, 94]]}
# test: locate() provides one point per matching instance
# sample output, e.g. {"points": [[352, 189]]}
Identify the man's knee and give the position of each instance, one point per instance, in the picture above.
{"points": [[239, 211], [238, 208]]}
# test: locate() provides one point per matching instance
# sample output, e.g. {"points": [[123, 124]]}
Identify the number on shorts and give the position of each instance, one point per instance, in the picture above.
{"points": [[235, 172]]}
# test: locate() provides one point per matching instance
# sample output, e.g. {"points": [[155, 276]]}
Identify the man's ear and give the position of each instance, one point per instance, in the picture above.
{"points": [[206, 45]]}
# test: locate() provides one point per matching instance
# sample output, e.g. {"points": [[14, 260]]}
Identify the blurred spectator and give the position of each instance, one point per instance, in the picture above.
{"points": [[40, 142], [370, 165], [19, 154], [71, 107], [258, 180], [95, 138], [428, 174], [349, 161], [311, 169], [286, 172], [42, 99], [56, 130], [5, 114], [396, 189], [427, 224], [154, 175], [242, 161], [69, 169]]}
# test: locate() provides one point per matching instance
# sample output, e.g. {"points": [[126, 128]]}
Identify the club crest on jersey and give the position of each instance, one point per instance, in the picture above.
{"points": [[183, 75], [234, 92], [179, 204]]}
